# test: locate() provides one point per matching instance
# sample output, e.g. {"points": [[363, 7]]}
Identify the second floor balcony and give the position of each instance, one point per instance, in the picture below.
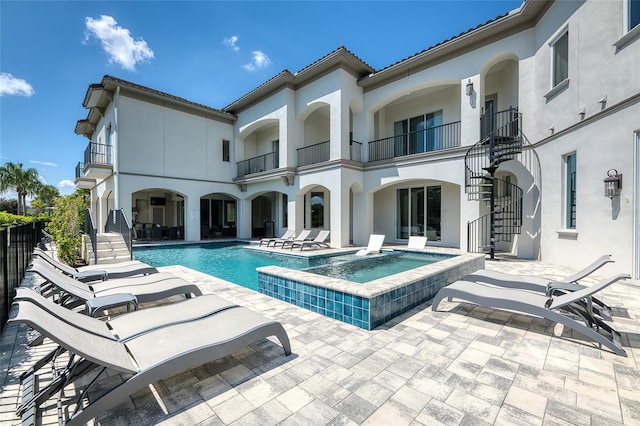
{"points": [[426, 140], [258, 164], [98, 161], [81, 180]]}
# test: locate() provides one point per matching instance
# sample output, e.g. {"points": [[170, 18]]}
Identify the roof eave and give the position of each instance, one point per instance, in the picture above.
{"points": [[524, 16]]}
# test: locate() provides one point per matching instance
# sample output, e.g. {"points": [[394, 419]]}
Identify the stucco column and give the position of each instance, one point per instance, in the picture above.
{"points": [[296, 213], [192, 219], [470, 110], [243, 218], [362, 217], [339, 216]]}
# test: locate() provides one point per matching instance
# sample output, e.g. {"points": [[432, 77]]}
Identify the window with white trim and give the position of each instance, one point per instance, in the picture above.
{"points": [[632, 14], [570, 191], [560, 59]]}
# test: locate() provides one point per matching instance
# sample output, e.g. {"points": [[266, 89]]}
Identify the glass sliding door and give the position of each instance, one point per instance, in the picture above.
{"points": [[400, 130], [416, 134], [434, 215], [418, 212], [402, 206], [434, 131]]}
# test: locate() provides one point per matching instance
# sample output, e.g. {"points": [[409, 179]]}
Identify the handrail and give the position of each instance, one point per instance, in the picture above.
{"points": [[257, 164], [312, 154], [98, 153], [92, 232], [501, 140], [432, 139], [118, 223]]}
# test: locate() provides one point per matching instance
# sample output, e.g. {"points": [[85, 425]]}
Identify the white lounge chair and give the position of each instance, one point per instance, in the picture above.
{"points": [[288, 234], [374, 246], [318, 241], [416, 242], [302, 236]]}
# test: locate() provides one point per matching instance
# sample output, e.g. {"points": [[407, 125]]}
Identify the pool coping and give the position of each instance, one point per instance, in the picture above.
{"points": [[367, 305]]}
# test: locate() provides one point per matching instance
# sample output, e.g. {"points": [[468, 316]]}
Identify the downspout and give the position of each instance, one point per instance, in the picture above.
{"points": [[115, 153]]}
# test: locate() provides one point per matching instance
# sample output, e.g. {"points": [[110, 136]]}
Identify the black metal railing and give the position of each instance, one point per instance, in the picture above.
{"points": [[79, 170], [427, 140], [97, 153], [257, 164], [501, 140], [92, 232], [355, 150], [16, 246], [312, 154], [117, 223]]}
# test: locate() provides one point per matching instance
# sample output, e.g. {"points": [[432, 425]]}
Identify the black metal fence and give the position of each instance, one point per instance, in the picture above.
{"points": [[313, 154], [16, 246], [257, 164]]}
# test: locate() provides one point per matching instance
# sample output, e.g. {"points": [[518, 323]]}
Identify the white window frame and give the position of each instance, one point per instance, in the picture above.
{"points": [[626, 6], [552, 46]]}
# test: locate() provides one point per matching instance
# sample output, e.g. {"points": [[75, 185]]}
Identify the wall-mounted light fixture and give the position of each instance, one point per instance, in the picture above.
{"points": [[469, 88], [612, 183]]}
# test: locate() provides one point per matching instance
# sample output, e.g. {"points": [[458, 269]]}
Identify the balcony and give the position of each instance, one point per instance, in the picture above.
{"points": [[98, 161], [313, 154], [81, 181], [420, 141], [257, 164]]}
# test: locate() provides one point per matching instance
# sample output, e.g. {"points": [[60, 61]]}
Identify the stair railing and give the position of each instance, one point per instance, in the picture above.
{"points": [[117, 223], [92, 232], [501, 141]]}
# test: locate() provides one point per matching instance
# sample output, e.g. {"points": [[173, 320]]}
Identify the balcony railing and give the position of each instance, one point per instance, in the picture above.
{"points": [[427, 140], [97, 153], [79, 170], [257, 164], [312, 154]]}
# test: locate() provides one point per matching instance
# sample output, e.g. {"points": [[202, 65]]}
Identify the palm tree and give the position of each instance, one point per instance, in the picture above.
{"points": [[45, 196], [24, 181]]}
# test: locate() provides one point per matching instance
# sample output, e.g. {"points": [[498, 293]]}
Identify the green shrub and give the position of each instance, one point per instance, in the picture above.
{"points": [[66, 227], [8, 219]]}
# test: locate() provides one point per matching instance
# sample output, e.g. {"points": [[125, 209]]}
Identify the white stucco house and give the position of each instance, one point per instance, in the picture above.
{"points": [[515, 124]]}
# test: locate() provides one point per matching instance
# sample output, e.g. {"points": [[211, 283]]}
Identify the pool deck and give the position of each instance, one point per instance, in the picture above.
{"points": [[460, 366]]}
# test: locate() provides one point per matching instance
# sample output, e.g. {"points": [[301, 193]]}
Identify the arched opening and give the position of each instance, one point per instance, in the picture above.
{"points": [[158, 213]]}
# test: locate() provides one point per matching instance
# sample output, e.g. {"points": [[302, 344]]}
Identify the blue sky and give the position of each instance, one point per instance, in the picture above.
{"points": [[210, 52]]}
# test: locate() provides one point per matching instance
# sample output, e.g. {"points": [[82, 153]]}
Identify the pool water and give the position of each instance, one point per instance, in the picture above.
{"points": [[232, 262]]}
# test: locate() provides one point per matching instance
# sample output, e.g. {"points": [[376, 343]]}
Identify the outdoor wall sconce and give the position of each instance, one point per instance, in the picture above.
{"points": [[469, 88], [612, 183]]}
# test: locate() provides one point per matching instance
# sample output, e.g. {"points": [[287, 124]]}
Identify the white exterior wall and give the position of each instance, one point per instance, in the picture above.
{"points": [[168, 145]]}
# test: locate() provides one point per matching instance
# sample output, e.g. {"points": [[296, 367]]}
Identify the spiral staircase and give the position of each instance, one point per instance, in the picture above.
{"points": [[501, 141]]}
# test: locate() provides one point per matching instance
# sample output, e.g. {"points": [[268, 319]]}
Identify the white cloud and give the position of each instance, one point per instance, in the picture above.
{"points": [[258, 61], [10, 85], [118, 43], [66, 183], [44, 163], [231, 42]]}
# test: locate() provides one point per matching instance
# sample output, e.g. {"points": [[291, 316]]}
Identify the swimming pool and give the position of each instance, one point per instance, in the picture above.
{"points": [[318, 283], [234, 263]]}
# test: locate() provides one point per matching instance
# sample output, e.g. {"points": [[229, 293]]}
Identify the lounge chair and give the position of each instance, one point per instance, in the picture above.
{"points": [[544, 285], [288, 234], [302, 236], [96, 272], [416, 242], [121, 328], [374, 246], [318, 241], [563, 309], [145, 358], [145, 288]]}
